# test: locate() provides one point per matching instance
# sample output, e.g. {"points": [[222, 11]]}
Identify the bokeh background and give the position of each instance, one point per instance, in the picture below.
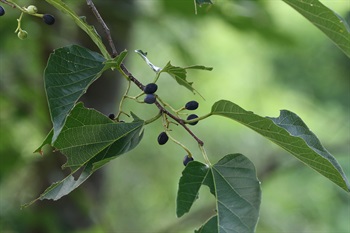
{"points": [[266, 57]]}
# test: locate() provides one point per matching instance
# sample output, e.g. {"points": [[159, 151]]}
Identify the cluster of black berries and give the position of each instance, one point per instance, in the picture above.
{"points": [[149, 90], [192, 105], [163, 136]]}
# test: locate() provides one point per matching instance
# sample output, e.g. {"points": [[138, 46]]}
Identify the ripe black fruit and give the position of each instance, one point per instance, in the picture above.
{"points": [[162, 138], [2, 11], [49, 19], [192, 105], [150, 99], [191, 117], [111, 116], [150, 88], [187, 159]]}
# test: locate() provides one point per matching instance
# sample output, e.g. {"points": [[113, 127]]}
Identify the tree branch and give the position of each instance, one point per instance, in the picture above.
{"points": [[91, 5], [131, 77]]}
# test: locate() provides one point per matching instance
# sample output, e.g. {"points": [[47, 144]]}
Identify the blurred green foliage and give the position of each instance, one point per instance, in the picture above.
{"points": [[265, 56]]}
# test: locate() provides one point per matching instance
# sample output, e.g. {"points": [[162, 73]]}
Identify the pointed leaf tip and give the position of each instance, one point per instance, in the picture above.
{"points": [[291, 133], [190, 182], [69, 72]]}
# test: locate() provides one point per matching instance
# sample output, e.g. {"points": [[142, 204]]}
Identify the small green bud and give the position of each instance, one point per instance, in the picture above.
{"points": [[32, 9], [22, 34]]}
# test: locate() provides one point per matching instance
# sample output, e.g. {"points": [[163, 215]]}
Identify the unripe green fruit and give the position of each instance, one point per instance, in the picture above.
{"points": [[32, 9], [22, 34]]}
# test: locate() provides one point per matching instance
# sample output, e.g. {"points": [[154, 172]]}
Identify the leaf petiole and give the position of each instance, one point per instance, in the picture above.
{"points": [[205, 155]]}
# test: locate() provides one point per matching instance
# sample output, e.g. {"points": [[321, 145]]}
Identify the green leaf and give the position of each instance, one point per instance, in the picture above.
{"points": [[180, 74], [237, 193], [115, 62], [88, 133], [233, 183], [68, 74], [329, 22], [47, 141], [89, 140], [289, 132], [198, 67], [211, 226], [192, 179]]}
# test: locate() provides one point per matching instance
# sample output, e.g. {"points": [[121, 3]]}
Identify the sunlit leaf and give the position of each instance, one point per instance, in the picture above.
{"points": [[289, 132], [329, 22]]}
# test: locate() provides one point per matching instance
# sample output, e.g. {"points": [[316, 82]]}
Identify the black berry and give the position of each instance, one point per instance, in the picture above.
{"points": [[187, 159], [2, 11], [192, 105], [111, 116], [191, 117], [49, 19], [150, 88], [150, 99], [162, 138]]}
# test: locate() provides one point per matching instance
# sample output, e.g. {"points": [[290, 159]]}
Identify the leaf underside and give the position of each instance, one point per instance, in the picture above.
{"points": [[233, 183], [289, 132], [329, 22]]}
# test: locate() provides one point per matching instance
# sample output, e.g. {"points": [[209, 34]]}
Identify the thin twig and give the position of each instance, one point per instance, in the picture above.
{"points": [[180, 121], [91, 5]]}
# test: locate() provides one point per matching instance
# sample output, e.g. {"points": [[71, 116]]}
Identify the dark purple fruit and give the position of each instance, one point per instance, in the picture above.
{"points": [[2, 11], [191, 117], [111, 116], [49, 19], [192, 105], [150, 88], [187, 159], [162, 138], [150, 99]]}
